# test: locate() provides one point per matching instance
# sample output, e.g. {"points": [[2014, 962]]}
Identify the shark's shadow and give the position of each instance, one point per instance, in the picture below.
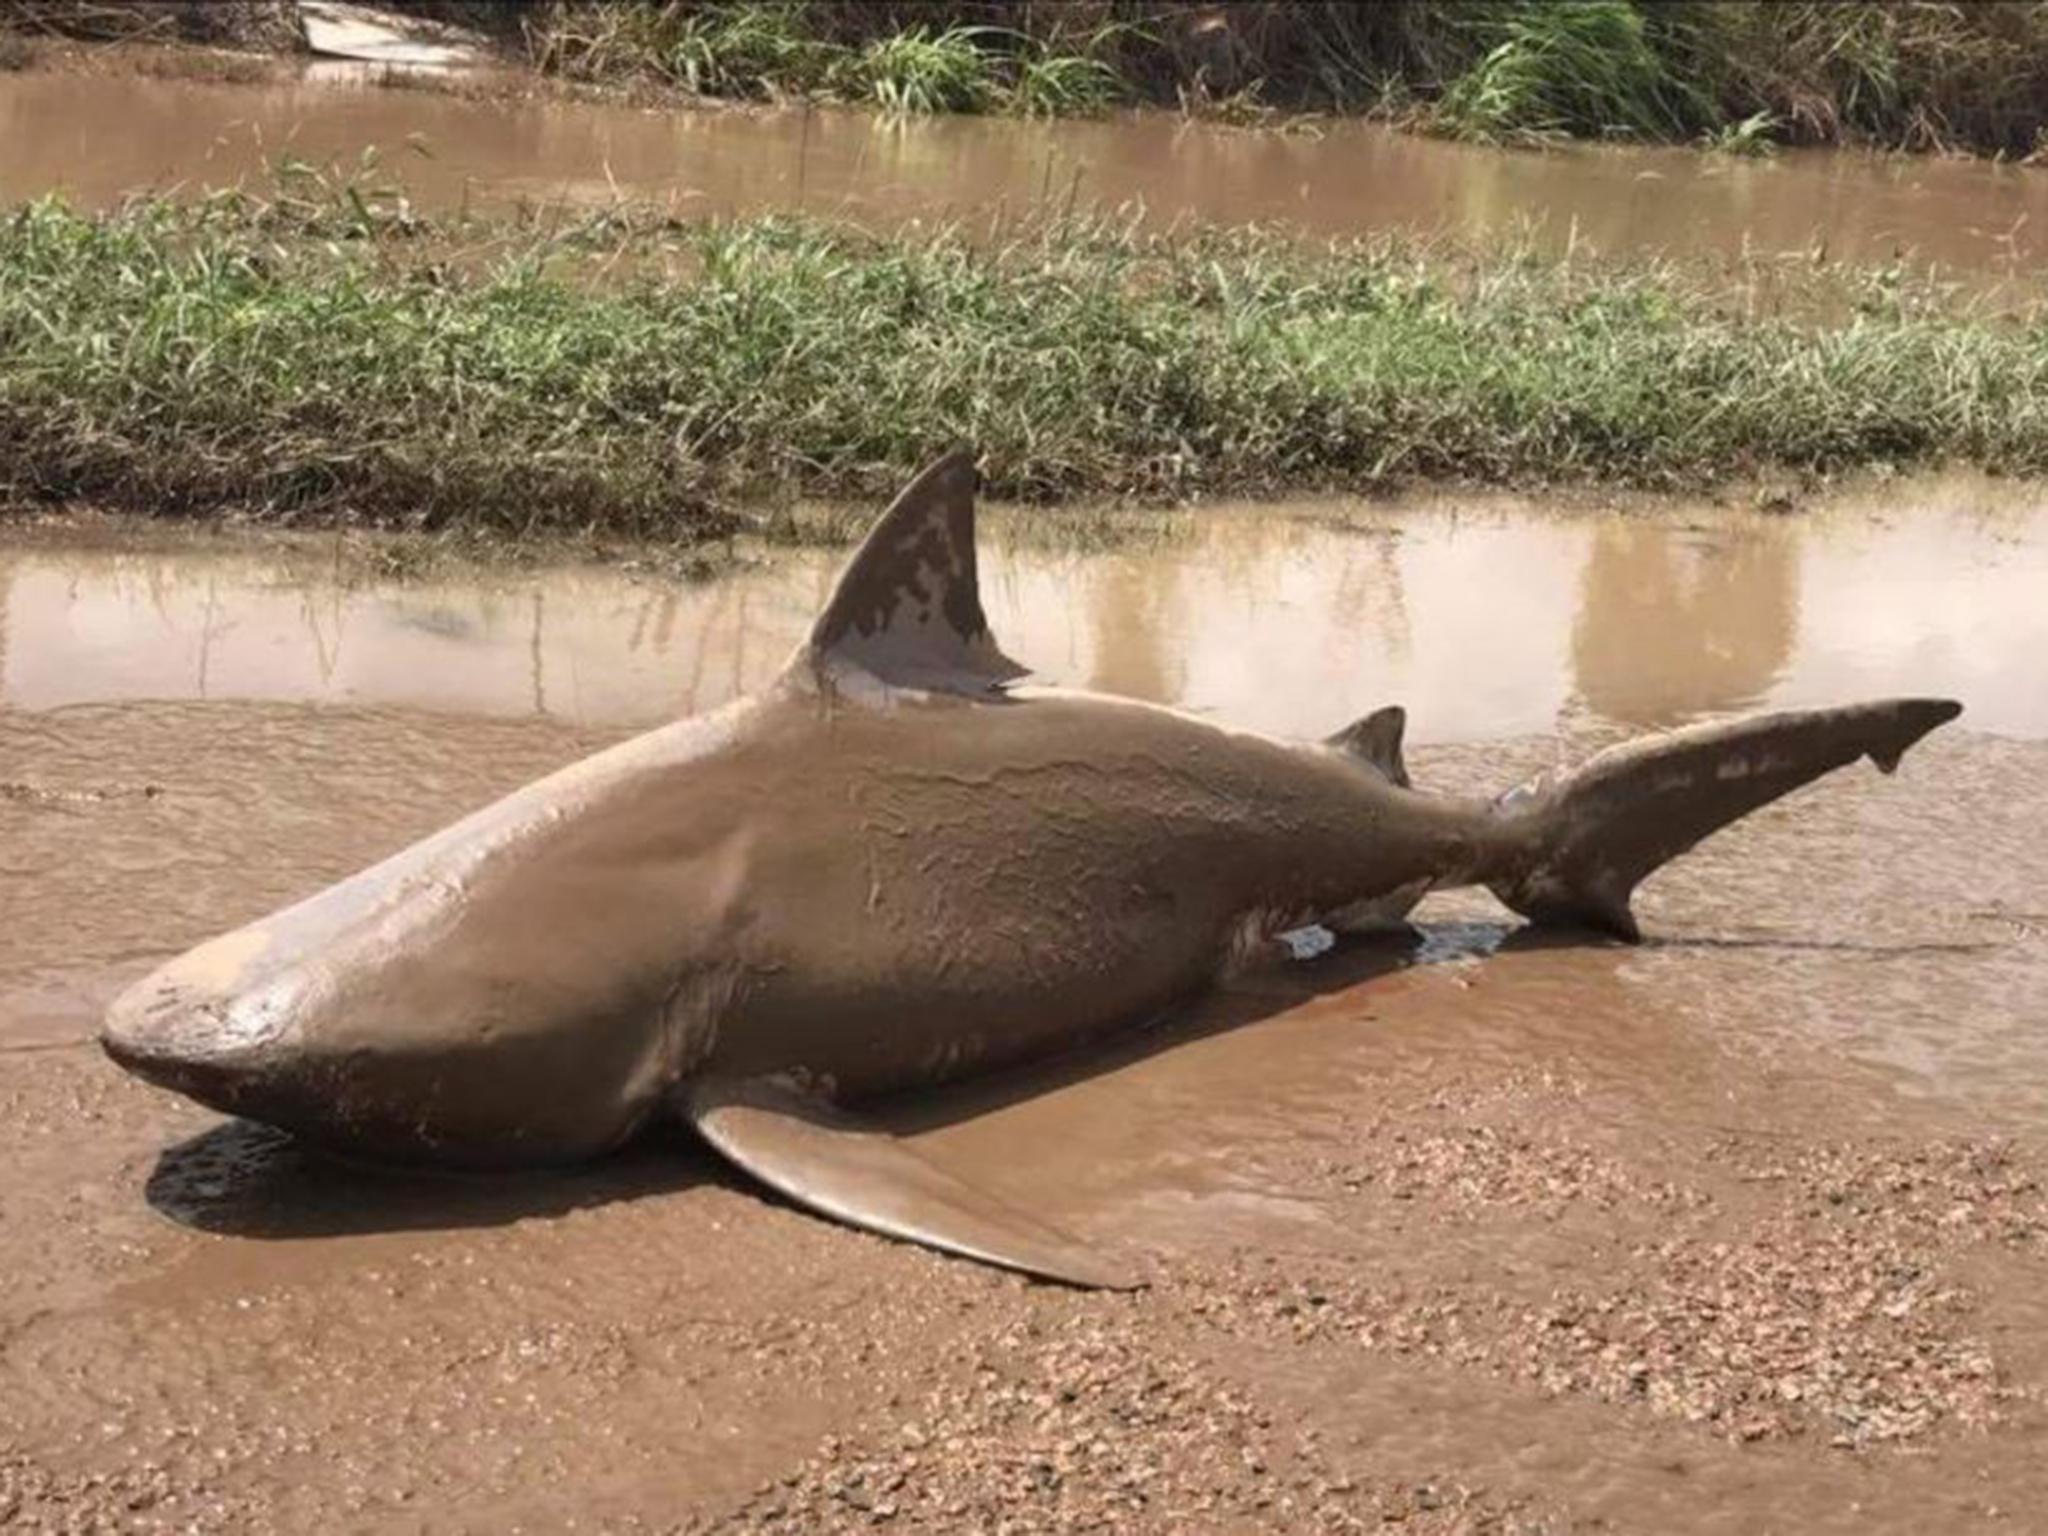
{"points": [[249, 1180], [246, 1180], [1261, 994], [1354, 962]]}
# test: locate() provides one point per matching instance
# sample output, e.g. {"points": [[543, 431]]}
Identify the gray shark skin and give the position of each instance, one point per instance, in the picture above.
{"points": [[892, 867]]}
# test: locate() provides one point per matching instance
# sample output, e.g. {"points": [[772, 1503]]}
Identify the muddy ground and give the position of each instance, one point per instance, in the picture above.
{"points": [[1743, 1230]]}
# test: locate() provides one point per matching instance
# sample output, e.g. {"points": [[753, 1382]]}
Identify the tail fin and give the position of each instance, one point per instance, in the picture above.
{"points": [[1592, 835]]}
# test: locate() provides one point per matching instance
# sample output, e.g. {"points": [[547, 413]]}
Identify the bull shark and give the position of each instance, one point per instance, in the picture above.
{"points": [[894, 866]]}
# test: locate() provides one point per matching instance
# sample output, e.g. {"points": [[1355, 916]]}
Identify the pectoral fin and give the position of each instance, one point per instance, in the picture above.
{"points": [[831, 1162]]}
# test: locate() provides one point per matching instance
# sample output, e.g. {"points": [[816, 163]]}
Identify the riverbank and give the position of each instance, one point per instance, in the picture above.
{"points": [[330, 353], [1734, 75], [1730, 75]]}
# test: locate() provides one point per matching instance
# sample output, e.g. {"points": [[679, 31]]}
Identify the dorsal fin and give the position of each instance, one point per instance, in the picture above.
{"points": [[1376, 739], [907, 609]]}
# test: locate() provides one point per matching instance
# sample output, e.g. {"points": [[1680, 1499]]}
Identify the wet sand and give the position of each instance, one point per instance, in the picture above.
{"points": [[1741, 1230]]}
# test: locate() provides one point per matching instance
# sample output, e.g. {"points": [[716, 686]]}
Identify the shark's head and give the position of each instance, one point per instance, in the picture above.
{"points": [[203, 1025], [363, 1021]]}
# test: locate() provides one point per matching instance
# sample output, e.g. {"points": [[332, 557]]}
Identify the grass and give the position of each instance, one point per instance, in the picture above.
{"points": [[917, 72], [747, 51], [234, 22], [329, 354], [1752, 137], [1581, 67], [767, 49], [1064, 85], [1907, 74], [1915, 74]]}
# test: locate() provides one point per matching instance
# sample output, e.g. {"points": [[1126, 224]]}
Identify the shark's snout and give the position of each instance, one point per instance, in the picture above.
{"points": [[199, 1026], [351, 1044], [169, 1038]]}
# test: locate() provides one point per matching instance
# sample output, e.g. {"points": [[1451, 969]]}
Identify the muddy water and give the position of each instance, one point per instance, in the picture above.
{"points": [[1490, 617], [1706, 1235], [98, 136]]}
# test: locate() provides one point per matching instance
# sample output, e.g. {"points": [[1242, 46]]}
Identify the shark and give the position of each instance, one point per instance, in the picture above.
{"points": [[895, 866]]}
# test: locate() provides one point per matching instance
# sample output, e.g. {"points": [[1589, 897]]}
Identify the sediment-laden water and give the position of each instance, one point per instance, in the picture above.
{"points": [[97, 137]]}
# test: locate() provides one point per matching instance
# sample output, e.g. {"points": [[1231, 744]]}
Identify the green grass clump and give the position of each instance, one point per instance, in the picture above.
{"points": [[301, 359], [762, 49], [740, 50], [1570, 67], [1751, 137], [1063, 85], [750, 49], [917, 72]]}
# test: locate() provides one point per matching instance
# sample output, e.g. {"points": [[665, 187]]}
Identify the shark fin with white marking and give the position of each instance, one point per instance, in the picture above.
{"points": [[907, 609], [1576, 846]]}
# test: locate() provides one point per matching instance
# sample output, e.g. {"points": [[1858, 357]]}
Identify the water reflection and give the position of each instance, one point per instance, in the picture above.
{"points": [[1134, 609], [1682, 620], [1486, 617]]}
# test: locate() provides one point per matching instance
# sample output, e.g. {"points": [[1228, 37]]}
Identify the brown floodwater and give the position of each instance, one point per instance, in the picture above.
{"points": [[1489, 616], [98, 136], [1742, 1229]]}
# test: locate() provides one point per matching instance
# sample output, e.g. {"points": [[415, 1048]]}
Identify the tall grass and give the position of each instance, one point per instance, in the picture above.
{"points": [[1051, 84], [1572, 66], [1911, 73], [1915, 74], [768, 48], [1923, 74], [335, 358], [740, 50], [918, 71]]}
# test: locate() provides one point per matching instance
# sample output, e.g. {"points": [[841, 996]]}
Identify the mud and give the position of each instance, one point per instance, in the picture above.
{"points": [[1741, 1230], [97, 131]]}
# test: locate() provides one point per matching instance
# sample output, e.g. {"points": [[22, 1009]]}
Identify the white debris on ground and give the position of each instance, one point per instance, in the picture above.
{"points": [[344, 31]]}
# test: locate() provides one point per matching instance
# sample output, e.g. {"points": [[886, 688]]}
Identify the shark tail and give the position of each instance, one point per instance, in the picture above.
{"points": [[1576, 846]]}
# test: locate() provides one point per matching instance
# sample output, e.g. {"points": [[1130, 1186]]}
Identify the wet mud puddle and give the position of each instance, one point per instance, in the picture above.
{"points": [[98, 137], [1737, 1230]]}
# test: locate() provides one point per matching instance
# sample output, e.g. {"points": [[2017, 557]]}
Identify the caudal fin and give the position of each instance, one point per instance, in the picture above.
{"points": [[1587, 838]]}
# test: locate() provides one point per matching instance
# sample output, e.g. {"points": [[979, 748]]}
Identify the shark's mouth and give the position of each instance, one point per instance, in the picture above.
{"points": [[219, 1082]]}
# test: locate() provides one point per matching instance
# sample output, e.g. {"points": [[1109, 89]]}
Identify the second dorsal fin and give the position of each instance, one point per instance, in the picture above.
{"points": [[1376, 739], [907, 608]]}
